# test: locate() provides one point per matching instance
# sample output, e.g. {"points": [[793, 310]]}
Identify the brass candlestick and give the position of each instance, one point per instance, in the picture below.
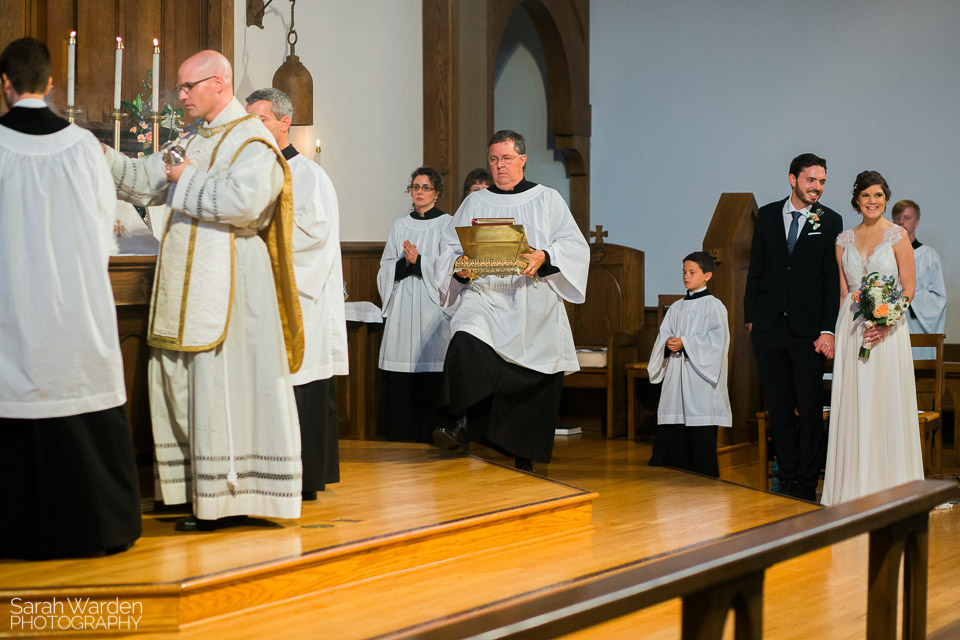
{"points": [[116, 128], [155, 118], [72, 113]]}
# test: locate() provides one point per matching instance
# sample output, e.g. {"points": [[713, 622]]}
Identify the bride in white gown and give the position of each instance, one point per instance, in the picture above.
{"points": [[874, 437]]}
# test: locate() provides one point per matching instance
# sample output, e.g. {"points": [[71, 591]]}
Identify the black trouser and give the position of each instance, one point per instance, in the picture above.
{"points": [[408, 405], [319, 433], [511, 407], [689, 448], [71, 485], [792, 374]]}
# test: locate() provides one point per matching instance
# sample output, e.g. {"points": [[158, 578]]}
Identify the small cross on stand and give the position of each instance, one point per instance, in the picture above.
{"points": [[599, 234], [118, 229]]}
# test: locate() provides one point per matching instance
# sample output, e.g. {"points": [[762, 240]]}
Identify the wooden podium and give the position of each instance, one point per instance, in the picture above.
{"points": [[728, 241]]}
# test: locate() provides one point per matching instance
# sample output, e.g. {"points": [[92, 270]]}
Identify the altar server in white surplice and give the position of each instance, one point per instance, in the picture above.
{"points": [[928, 309], [319, 271], [70, 477], [690, 358], [416, 328], [224, 316], [511, 340]]}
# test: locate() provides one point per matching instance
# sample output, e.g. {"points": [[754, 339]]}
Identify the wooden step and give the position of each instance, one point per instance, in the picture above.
{"points": [[397, 508]]}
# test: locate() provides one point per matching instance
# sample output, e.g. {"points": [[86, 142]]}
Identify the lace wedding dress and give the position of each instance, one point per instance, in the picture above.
{"points": [[874, 437]]}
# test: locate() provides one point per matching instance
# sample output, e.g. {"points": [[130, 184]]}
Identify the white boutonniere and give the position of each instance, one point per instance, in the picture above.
{"points": [[813, 217]]}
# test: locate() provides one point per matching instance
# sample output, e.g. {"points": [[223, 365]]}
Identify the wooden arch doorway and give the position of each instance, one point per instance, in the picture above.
{"points": [[461, 39]]}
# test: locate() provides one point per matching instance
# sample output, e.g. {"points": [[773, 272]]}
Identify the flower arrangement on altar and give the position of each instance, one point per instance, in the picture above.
{"points": [[140, 108], [880, 301]]}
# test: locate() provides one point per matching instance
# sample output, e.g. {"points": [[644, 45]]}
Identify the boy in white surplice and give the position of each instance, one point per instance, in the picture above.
{"points": [[690, 359]]}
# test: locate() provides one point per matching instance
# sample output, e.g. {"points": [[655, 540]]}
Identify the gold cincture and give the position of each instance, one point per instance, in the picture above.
{"points": [[492, 250]]}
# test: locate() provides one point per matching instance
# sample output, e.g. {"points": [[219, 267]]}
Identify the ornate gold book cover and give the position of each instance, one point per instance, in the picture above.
{"points": [[492, 250]]}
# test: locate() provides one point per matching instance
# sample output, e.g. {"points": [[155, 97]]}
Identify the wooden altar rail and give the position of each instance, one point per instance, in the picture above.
{"points": [[729, 574]]}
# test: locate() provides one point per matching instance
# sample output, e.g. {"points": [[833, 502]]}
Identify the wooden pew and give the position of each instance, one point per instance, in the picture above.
{"points": [[728, 575], [610, 319]]}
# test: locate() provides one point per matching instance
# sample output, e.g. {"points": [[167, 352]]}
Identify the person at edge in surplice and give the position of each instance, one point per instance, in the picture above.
{"points": [[690, 358], [511, 341], [319, 272], [790, 308], [224, 416], [66, 453], [927, 312]]}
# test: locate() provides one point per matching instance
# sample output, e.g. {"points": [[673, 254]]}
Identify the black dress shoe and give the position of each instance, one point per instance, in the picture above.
{"points": [[453, 438], [193, 523], [524, 464], [308, 496]]}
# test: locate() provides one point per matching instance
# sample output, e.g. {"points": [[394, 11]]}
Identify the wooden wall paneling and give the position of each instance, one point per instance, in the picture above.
{"points": [[142, 22], [21, 18], [61, 20], [98, 25], [358, 394], [219, 26], [472, 106], [440, 95]]}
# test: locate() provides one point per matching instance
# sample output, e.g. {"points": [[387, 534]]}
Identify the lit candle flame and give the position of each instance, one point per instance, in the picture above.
{"points": [[119, 42], [73, 36], [318, 145]]}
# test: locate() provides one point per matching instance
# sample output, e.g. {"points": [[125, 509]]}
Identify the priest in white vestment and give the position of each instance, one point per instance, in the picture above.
{"points": [[689, 357], [224, 316], [65, 448], [928, 309], [511, 340], [319, 271]]}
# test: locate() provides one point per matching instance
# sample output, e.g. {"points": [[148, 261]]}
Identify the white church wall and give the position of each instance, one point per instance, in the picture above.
{"points": [[520, 101], [365, 57], [692, 98]]}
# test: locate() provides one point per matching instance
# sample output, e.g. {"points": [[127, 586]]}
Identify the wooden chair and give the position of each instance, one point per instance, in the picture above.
{"points": [[610, 319], [929, 375], [638, 370]]}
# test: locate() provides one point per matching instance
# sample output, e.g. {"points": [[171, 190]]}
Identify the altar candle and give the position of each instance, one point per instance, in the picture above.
{"points": [[156, 76], [71, 67], [117, 74], [316, 154]]}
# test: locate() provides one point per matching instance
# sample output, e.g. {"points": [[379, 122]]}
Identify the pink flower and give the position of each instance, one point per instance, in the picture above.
{"points": [[149, 135], [140, 138], [133, 129]]}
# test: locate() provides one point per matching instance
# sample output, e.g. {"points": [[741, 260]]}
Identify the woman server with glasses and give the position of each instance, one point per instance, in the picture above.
{"points": [[416, 329]]}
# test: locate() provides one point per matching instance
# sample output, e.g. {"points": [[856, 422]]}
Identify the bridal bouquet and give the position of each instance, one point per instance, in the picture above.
{"points": [[879, 301]]}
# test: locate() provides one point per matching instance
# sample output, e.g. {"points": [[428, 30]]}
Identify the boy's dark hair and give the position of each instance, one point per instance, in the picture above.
{"points": [[26, 62], [805, 160], [703, 260]]}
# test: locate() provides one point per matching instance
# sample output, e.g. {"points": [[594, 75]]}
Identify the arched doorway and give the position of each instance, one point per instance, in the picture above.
{"points": [[461, 39]]}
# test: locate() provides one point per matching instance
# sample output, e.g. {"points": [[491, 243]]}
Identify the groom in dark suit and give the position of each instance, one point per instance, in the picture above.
{"points": [[791, 304]]}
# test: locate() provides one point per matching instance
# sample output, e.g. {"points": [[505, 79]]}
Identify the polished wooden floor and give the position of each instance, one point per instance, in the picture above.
{"points": [[642, 513]]}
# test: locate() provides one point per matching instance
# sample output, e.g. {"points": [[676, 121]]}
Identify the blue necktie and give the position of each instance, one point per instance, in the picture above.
{"points": [[794, 231]]}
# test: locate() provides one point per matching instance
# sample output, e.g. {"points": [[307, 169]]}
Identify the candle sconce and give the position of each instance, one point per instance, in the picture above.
{"points": [[117, 115], [155, 119], [72, 113]]}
